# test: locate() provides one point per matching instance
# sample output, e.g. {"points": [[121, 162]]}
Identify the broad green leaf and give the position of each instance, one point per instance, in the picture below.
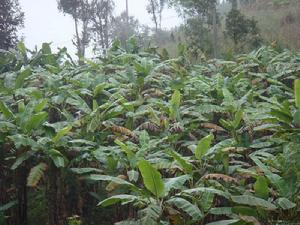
{"points": [[21, 77], [207, 190], [20, 140], [128, 222], [85, 170], [8, 205], [46, 49], [253, 201], [221, 211], [6, 111], [22, 158], [225, 222], [150, 215], [203, 146], [144, 139], [176, 98], [96, 177], [189, 208], [297, 93], [116, 199], [99, 88], [237, 119], [79, 103], [152, 178], [296, 118], [21, 47], [185, 165], [35, 121], [61, 133], [129, 152], [285, 204], [174, 105], [275, 179], [39, 107], [261, 188], [57, 158], [245, 210], [176, 183]]}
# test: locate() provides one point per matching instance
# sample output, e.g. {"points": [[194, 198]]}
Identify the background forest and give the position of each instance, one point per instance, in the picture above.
{"points": [[198, 124]]}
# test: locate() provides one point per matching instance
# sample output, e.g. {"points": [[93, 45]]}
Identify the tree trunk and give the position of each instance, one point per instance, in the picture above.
{"points": [[154, 15], [127, 13], [78, 41], [22, 196], [215, 30], [56, 209], [234, 4], [21, 174]]}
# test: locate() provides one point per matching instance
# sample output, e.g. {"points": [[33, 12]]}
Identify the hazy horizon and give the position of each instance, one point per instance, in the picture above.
{"points": [[44, 22]]}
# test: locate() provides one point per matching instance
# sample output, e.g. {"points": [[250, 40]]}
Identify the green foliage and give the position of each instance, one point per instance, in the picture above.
{"points": [[164, 142], [203, 146], [12, 18], [152, 178], [240, 29]]}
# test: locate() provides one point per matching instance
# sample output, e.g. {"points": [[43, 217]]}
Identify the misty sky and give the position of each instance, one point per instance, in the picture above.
{"points": [[44, 23]]}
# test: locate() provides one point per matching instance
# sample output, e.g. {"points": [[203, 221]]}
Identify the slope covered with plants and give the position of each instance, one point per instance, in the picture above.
{"points": [[136, 138]]}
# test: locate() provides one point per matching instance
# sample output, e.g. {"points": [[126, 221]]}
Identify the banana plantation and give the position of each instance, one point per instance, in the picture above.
{"points": [[136, 138]]}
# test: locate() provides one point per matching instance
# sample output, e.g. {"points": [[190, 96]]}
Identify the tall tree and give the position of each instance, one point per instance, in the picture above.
{"points": [[234, 4], [80, 10], [11, 19], [101, 24], [205, 11], [241, 29], [155, 8], [123, 29]]}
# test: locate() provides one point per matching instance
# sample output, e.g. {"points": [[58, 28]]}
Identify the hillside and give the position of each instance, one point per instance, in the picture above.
{"points": [[277, 20]]}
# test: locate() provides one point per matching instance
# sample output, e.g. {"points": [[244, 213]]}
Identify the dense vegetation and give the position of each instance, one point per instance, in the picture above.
{"points": [[137, 138]]}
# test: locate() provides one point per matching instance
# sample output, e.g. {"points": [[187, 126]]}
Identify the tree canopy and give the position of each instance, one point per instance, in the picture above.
{"points": [[11, 20]]}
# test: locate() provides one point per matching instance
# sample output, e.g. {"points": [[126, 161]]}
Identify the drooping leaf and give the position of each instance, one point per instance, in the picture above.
{"points": [[207, 190], [253, 201], [176, 183], [133, 175], [116, 199], [96, 177], [22, 158], [85, 170], [6, 111], [221, 211], [35, 174], [57, 158], [183, 163], [8, 205], [275, 179], [192, 210], [225, 222], [150, 215], [285, 204], [112, 185]]}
